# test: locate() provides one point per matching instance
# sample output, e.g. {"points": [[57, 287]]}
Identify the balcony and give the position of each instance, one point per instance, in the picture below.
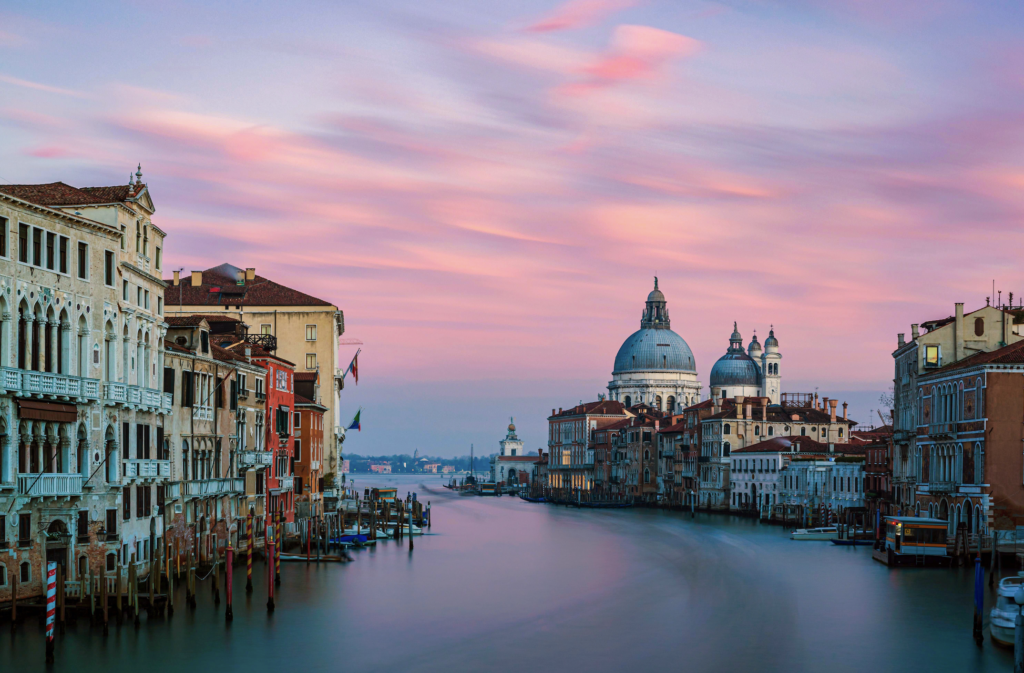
{"points": [[243, 394], [255, 458], [43, 384], [314, 465], [143, 468], [173, 491], [901, 435], [49, 485], [136, 397], [267, 342], [942, 430], [212, 487], [261, 396], [202, 413], [704, 459], [943, 487], [286, 483]]}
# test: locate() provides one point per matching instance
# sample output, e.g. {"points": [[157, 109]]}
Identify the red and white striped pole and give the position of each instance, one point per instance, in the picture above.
{"points": [[51, 607]]}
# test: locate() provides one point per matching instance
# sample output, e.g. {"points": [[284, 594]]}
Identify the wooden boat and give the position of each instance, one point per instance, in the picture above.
{"points": [[529, 499], [817, 534], [850, 543], [604, 505]]}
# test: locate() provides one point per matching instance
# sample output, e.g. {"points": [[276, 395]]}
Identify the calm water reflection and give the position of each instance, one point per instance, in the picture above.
{"points": [[508, 585]]}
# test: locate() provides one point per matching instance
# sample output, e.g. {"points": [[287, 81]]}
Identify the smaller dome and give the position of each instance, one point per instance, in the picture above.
{"points": [[655, 294], [736, 336], [754, 349], [771, 341]]}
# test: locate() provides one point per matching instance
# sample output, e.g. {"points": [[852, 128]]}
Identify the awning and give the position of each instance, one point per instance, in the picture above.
{"points": [[34, 410]]}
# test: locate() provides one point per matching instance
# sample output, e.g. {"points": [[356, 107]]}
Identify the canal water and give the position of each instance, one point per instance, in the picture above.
{"points": [[506, 585]]}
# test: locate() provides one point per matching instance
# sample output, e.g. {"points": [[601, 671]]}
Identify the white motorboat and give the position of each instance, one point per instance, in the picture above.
{"points": [[1005, 610], [825, 534]]}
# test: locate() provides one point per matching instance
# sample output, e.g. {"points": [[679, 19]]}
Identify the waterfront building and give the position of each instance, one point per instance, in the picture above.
{"points": [[634, 469], [280, 437], [730, 429], [969, 437], [509, 466], [381, 468], [201, 438], [655, 366], [295, 326], [750, 373], [309, 450], [943, 342], [878, 489], [570, 442], [81, 413]]}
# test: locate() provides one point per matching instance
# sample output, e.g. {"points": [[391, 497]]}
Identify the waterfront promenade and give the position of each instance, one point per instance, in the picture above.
{"points": [[507, 585]]}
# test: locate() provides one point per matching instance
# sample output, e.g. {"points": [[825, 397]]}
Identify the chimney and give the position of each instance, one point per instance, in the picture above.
{"points": [[750, 416], [959, 327], [832, 411], [559, 409], [900, 341], [197, 278], [824, 404], [844, 410], [764, 409], [816, 401], [739, 406], [250, 273], [552, 412], [177, 277], [914, 332], [716, 402]]}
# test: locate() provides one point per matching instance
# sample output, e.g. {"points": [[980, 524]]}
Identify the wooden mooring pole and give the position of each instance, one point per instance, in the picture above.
{"points": [[228, 573], [249, 544], [270, 569]]}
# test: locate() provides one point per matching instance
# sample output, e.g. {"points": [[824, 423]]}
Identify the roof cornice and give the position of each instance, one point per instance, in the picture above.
{"points": [[78, 219]]}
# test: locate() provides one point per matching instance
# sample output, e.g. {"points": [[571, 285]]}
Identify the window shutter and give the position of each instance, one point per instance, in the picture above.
{"points": [[169, 381], [160, 443], [126, 440], [140, 441], [145, 436], [186, 388], [234, 395]]}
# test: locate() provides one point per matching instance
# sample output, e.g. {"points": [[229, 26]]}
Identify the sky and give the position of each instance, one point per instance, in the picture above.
{"points": [[487, 189]]}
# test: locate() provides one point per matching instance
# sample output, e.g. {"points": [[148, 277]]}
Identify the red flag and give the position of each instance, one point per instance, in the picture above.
{"points": [[355, 368]]}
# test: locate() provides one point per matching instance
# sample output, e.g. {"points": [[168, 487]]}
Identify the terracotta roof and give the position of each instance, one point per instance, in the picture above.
{"points": [[62, 194], [226, 355], [183, 320], [599, 408], [175, 347], [519, 458], [220, 287], [806, 445], [306, 376], [1007, 355], [678, 427]]}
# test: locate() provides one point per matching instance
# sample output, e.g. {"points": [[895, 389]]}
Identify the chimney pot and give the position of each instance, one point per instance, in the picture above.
{"points": [[914, 332], [177, 277], [197, 278], [959, 327], [844, 410], [900, 340], [832, 410], [250, 273]]}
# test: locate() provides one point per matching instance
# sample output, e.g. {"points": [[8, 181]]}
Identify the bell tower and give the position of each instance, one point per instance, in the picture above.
{"points": [[771, 380], [656, 313]]}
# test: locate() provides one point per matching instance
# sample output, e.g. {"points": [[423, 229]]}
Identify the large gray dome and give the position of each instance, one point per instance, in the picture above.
{"points": [[650, 349], [735, 369]]}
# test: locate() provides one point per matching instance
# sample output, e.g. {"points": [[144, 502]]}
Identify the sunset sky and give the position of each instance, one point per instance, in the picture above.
{"points": [[487, 188]]}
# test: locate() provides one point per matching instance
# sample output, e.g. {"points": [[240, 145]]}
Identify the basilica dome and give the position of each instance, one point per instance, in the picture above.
{"points": [[736, 367], [650, 349]]}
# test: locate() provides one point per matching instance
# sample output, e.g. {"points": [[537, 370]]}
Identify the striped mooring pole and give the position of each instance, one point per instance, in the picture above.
{"points": [[51, 607]]}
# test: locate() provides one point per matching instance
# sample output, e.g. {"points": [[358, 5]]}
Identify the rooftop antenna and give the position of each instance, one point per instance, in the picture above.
{"points": [[179, 293]]}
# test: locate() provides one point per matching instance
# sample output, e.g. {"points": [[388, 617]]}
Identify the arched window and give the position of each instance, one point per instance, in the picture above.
{"points": [[726, 429], [840, 431], [647, 476], [803, 431], [647, 454], [657, 402], [771, 431], [726, 449], [629, 401], [757, 430], [979, 327]]}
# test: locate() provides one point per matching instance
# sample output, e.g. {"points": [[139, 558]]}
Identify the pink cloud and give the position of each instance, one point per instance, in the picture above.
{"points": [[49, 152], [15, 81], [636, 53], [578, 14]]}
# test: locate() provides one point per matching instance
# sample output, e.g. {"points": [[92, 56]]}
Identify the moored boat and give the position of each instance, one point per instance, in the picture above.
{"points": [[850, 543], [816, 534], [1004, 612]]}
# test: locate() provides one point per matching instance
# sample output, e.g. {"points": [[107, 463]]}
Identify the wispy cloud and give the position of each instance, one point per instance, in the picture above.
{"points": [[578, 14], [15, 81]]}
